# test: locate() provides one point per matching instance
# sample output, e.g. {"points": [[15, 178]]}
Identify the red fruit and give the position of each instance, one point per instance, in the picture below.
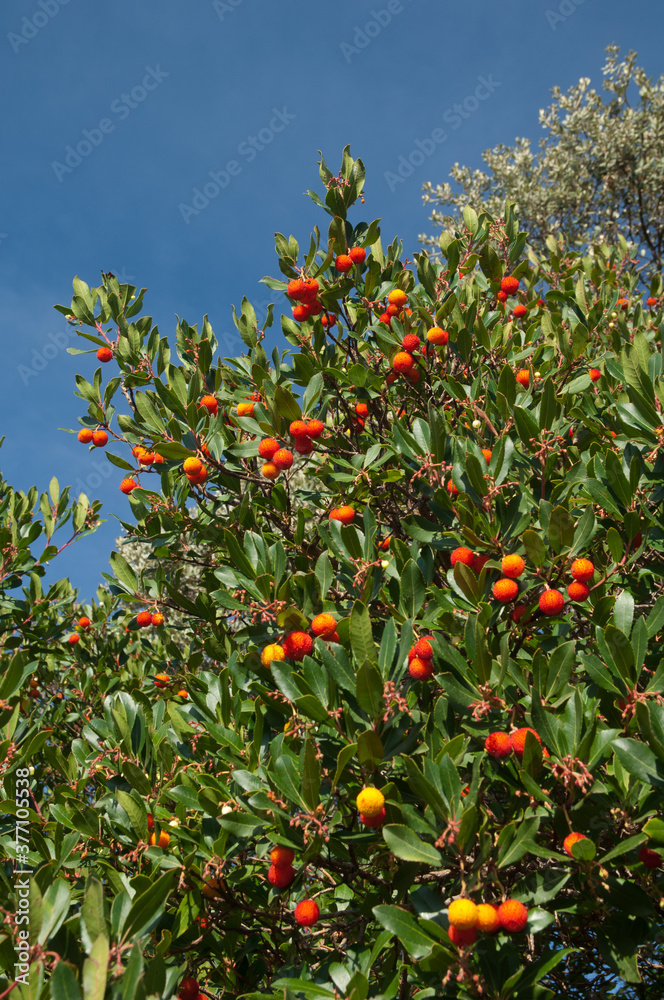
{"points": [[423, 648], [99, 439], [505, 590], [595, 374], [323, 624], [127, 485], [523, 377], [518, 739], [498, 745], [315, 428], [150, 822], [578, 591], [74, 639], [245, 409], [451, 488], [210, 403], [304, 445], [306, 913], [462, 938], [623, 303], [310, 288], [280, 876], [479, 562], [397, 297], [551, 602], [570, 840], [295, 289], [386, 319], [413, 375], [509, 284], [374, 821], [513, 566], [487, 453], [463, 555], [362, 409], [649, 858], [268, 447], [343, 263], [144, 618], [298, 428], [411, 342], [344, 514], [502, 296], [282, 857], [519, 311], [157, 618], [269, 471], [420, 669], [315, 308], [582, 570], [188, 989], [84, 622], [329, 319], [297, 645], [651, 301], [300, 313], [199, 477], [513, 916], [85, 435], [282, 458], [104, 354], [358, 255], [437, 336], [402, 361], [541, 302]]}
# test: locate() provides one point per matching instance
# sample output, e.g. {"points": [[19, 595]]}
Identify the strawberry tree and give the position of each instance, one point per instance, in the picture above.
{"points": [[380, 714]]}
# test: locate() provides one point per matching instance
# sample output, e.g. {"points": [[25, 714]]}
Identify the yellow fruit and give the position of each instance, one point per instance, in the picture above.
{"points": [[272, 652], [370, 802], [462, 913]]}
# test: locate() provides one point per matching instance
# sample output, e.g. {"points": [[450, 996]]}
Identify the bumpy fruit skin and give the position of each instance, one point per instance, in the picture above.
{"points": [[502, 296], [413, 375], [423, 648], [487, 454], [267, 448], [301, 313], [523, 378], [210, 403], [462, 938], [272, 652], [518, 739], [361, 410], [74, 639], [488, 920], [595, 374], [282, 458], [551, 602], [578, 591], [192, 466], [402, 361], [420, 669], [199, 477], [498, 745], [323, 624], [479, 562], [370, 801], [315, 428], [582, 570], [144, 618], [343, 263], [512, 566], [463, 555], [462, 913], [509, 284], [298, 428], [386, 319], [623, 303], [344, 514], [358, 255], [304, 445], [297, 645], [505, 590], [513, 916], [282, 856], [397, 298], [127, 485], [519, 310], [329, 319], [437, 337], [411, 343], [570, 840], [649, 858], [157, 618], [162, 841], [99, 438], [295, 289], [310, 289], [188, 989], [245, 409], [104, 354], [373, 822], [85, 435], [84, 622], [306, 913], [280, 876], [269, 470]]}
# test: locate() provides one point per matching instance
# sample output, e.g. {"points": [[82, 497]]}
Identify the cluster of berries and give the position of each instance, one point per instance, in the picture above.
{"points": [[280, 874], [371, 806], [305, 292], [296, 645], [466, 918], [396, 306], [162, 839], [278, 459], [246, 409], [194, 470], [99, 437], [345, 262], [420, 659], [500, 745], [84, 624]]}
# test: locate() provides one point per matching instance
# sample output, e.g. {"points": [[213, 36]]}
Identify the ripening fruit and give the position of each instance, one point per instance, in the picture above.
{"points": [[413, 375], [315, 428], [463, 555], [402, 361], [85, 435], [361, 409], [479, 562], [582, 570], [372, 822], [84, 622], [127, 485], [297, 645], [283, 458], [210, 403], [269, 470], [192, 466], [282, 856], [324, 625], [437, 336], [310, 289], [74, 639], [518, 739], [513, 916], [649, 858], [272, 652], [420, 669], [422, 648], [578, 591], [505, 590], [157, 618], [343, 263], [104, 354], [462, 913], [623, 303], [462, 938], [487, 454], [651, 301], [570, 839], [411, 342], [200, 477], [519, 310], [397, 298], [386, 319], [99, 438], [144, 618], [513, 566], [304, 445], [509, 284], [188, 989], [182, 693], [502, 296], [488, 920], [595, 374], [280, 876], [295, 289], [551, 602], [298, 428], [344, 514], [329, 319], [268, 447], [498, 745], [451, 488], [301, 313], [358, 255], [163, 841], [306, 913], [245, 409], [370, 801], [523, 378]]}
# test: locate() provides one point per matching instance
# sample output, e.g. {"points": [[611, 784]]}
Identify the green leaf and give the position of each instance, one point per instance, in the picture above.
{"points": [[94, 970], [343, 757], [310, 775], [639, 760], [405, 844], [584, 850], [655, 829], [124, 573], [147, 908], [92, 920], [404, 926], [63, 984], [535, 547], [561, 529], [413, 590], [361, 637], [370, 750], [369, 690], [630, 844], [514, 841], [623, 612]]}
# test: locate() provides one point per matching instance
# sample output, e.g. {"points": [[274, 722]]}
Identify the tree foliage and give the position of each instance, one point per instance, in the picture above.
{"points": [[533, 431]]}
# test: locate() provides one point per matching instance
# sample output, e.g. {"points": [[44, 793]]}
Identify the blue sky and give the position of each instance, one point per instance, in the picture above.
{"points": [[156, 97]]}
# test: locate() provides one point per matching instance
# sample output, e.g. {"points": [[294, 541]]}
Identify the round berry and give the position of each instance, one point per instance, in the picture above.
{"points": [[370, 801], [513, 916], [551, 602], [297, 645], [512, 566], [267, 448], [582, 570], [570, 840], [282, 458], [127, 485], [498, 745], [463, 555], [437, 337], [518, 739], [104, 354], [85, 435], [462, 913], [306, 913], [358, 255], [509, 284], [505, 590], [343, 263]]}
